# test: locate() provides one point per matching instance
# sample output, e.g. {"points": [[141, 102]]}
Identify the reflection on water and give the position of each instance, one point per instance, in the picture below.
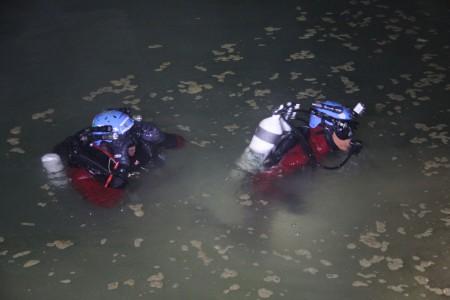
{"points": [[378, 228]]}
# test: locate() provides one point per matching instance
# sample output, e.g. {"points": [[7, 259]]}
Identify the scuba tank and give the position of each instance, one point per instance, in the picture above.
{"points": [[267, 135], [54, 169]]}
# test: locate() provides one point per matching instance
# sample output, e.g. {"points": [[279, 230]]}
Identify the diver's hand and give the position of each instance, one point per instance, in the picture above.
{"points": [[356, 146], [288, 110]]}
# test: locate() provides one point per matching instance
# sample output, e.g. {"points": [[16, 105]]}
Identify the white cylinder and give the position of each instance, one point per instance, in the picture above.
{"points": [[266, 137], [268, 134], [52, 163], [54, 168]]}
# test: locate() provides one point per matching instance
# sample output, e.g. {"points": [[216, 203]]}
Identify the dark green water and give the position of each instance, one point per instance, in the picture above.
{"points": [[211, 70]]}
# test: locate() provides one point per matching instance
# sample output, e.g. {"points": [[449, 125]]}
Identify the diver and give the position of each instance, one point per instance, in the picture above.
{"points": [[117, 145], [286, 142]]}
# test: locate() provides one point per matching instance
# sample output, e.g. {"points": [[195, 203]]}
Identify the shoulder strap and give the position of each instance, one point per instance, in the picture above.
{"points": [[302, 135]]}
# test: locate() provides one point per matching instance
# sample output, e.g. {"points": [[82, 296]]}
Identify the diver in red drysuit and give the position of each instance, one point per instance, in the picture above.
{"points": [[102, 158], [288, 148]]}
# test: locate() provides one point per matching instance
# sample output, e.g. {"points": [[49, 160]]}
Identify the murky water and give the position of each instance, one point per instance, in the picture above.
{"points": [[376, 229]]}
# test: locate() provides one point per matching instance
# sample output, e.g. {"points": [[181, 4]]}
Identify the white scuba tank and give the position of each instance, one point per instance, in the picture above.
{"points": [[266, 137], [268, 134], [55, 169]]}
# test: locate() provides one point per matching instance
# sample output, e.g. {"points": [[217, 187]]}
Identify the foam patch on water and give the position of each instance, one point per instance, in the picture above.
{"points": [[30, 263], [227, 53], [156, 280], [264, 293], [221, 77], [302, 55], [200, 253], [163, 66], [137, 209], [61, 244], [138, 242], [192, 87], [119, 86]]}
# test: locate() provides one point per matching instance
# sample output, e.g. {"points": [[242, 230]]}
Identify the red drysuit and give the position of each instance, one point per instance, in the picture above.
{"points": [[294, 159]]}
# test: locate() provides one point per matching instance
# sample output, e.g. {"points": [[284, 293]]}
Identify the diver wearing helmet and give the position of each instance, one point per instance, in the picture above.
{"points": [[282, 144], [116, 145]]}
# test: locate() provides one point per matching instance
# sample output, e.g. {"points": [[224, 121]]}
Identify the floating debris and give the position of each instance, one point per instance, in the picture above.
{"points": [[227, 273], [264, 293], [274, 76], [42, 115], [422, 280], [311, 270], [229, 53], [381, 226], [270, 30], [366, 276], [325, 262], [310, 93], [347, 67], [366, 263], [192, 87], [31, 263], [17, 150], [295, 75], [431, 166], [201, 68], [117, 87], [231, 128], [394, 263], [423, 265], [272, 278], [201, 143], [350, 86], [221, 77], [112, 285], [13, 141], [200, 253], [359, 284], [16, 130], [137, 209], [156, 46], [398, 288], [425, 234], [61, 244], [20, 254], [156, 280], [129, 282], [252, 103], [351, 246], [283, 256], [232, 288], [304, 54], [262, 93], [65, 281], [222, 251], [370, 240], [30, 224], [163, 66], [303, 252], [138, 242]]}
